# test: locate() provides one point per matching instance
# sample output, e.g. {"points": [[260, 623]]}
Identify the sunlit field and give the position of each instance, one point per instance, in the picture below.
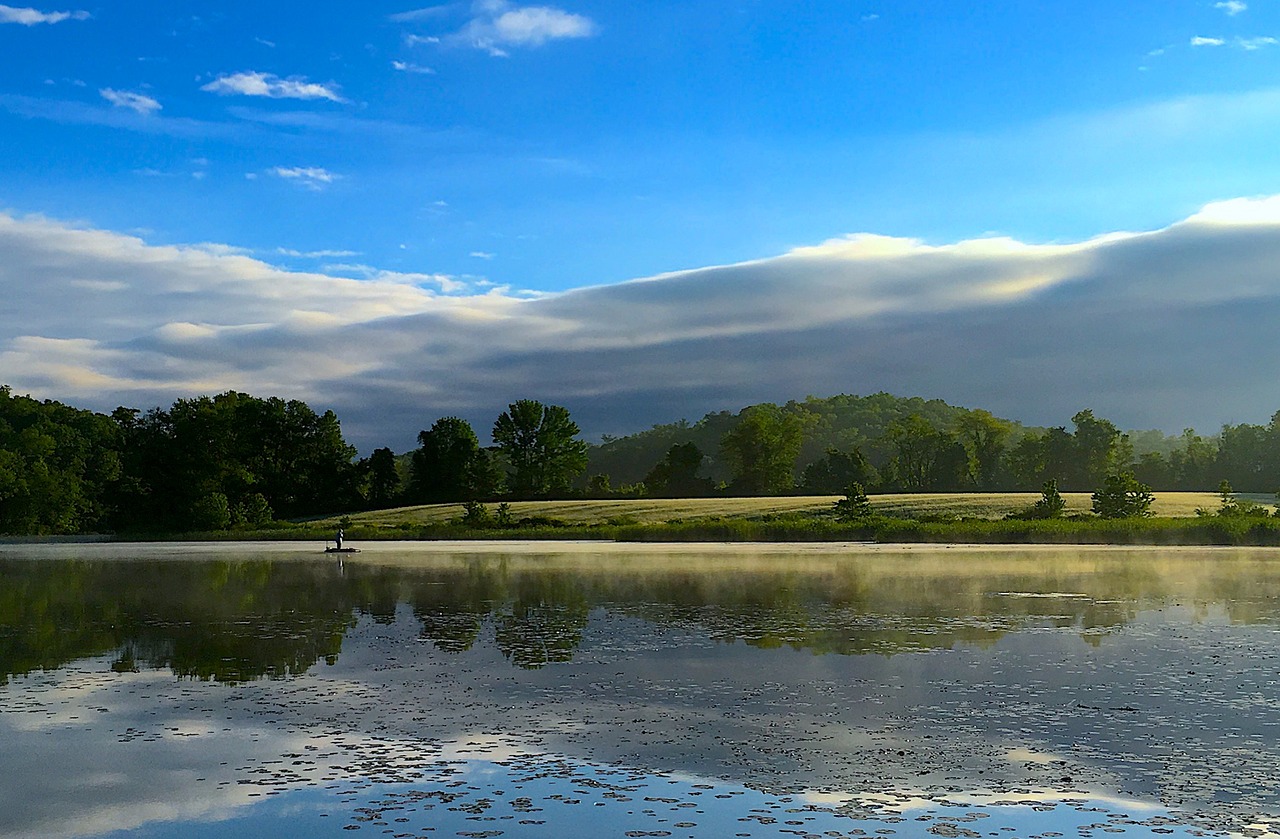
{"points": [[659, 510]]}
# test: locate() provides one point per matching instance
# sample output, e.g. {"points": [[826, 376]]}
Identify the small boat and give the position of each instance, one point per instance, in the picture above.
{"points": [[342, 550]]}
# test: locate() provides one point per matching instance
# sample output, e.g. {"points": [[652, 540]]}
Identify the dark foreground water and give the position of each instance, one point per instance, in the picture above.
{"points": [[615, 691]]}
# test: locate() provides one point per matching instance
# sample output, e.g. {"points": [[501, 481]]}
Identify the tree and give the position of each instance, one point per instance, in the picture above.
{"points": [[925, 459], [1195, 463], [855, 506], [449, 465], [984, 438], [1121, 497], [599, 486], [1050, 504], [384, 478], [762, 450], [1099, 448], [177, 463], [676, 475], [541, 448], [836, 470], [59, 467]]}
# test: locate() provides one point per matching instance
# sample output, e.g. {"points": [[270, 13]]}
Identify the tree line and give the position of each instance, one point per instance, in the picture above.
{"points": [[235, 460]]}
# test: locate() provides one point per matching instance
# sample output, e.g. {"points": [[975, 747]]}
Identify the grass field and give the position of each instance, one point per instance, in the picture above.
{"points": [[660, 510]]}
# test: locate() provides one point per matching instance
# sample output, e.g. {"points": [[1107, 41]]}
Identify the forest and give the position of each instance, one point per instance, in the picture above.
{"points": [[238, 461]]}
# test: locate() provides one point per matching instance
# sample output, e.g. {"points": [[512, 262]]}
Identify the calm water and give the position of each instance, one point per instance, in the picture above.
{"points": [[630, 691]]}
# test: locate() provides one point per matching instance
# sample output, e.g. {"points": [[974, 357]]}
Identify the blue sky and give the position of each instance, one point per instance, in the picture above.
{"points": [[535, 149]]}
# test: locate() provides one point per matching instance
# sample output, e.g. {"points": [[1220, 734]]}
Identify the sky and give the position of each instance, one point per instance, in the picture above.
{"points": [[644, 211]]}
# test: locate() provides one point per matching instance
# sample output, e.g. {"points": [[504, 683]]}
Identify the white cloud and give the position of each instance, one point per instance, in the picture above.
{"points": [[497, 24], [1031, 331], [409, 67], [1251, 44], [31, 17], [272, 86], [133, 101], [1201, 41], [1231, 7], [482, 255], [311, 177]]}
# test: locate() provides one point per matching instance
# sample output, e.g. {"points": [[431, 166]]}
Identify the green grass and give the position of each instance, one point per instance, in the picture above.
{"points": [[662, 510], [975, 518], [804, 528]]}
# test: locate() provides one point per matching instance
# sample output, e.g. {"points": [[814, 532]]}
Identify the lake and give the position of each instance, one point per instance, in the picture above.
{"points": [[552, 690]]}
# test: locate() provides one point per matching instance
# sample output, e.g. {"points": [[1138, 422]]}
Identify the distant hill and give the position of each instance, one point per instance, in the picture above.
{"points": [[839, 422]]}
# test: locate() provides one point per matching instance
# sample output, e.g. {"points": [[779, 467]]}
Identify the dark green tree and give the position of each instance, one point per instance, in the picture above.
{"points": [[762, 450], [384, 479], [1122, 496], [1050, 504], [855, 506], [59, 467], [1098, 448], [540, 445], [925, 459], [984, 437], [676, 475], [177, 462], [449, 465], [1195, 463], [836, 470]]}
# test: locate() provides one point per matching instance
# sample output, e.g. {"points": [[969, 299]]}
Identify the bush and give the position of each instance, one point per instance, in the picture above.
{"points": [[1049, 506], [211, 512], [475, 516], [854, 507], [1123, 497]]}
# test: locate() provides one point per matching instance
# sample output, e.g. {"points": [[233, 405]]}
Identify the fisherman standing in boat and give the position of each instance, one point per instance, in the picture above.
{"points": [[338, 538]]}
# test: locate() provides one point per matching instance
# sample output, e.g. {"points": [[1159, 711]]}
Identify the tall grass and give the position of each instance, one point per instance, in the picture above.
{"points": [[1239, 531]]}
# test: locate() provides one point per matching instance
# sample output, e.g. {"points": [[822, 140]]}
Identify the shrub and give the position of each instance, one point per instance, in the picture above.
{"points": [[855, 506], [1050, 505], [1122, 497], [475, 516]]}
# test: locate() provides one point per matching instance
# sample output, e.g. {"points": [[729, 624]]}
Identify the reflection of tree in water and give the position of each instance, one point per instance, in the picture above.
{"points": [[537, 617], [236, 621], [544, 621], [226, 621], [452, 609]]}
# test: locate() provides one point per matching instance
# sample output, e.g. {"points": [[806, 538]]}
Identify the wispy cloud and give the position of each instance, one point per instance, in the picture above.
{"points": [[251, 83], [1232, 7], [1251, 44], [322, 254], [409, 67], [133, 101], [311, 177], [416, 15], [1247, 44], [31, 17]]}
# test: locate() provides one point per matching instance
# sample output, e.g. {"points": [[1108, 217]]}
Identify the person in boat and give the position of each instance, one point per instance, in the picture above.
{"points": [[338, 538]]}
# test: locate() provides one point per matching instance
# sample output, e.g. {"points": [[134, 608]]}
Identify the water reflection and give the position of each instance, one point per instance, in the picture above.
{"points": [[1086, 677], [244, 619]]}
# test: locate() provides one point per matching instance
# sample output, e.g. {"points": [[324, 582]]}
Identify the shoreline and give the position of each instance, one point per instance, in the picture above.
{"points": [[310, 549]]}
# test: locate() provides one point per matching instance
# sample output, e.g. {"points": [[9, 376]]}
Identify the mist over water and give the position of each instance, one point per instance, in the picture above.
{"points": [[704, 691]]}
